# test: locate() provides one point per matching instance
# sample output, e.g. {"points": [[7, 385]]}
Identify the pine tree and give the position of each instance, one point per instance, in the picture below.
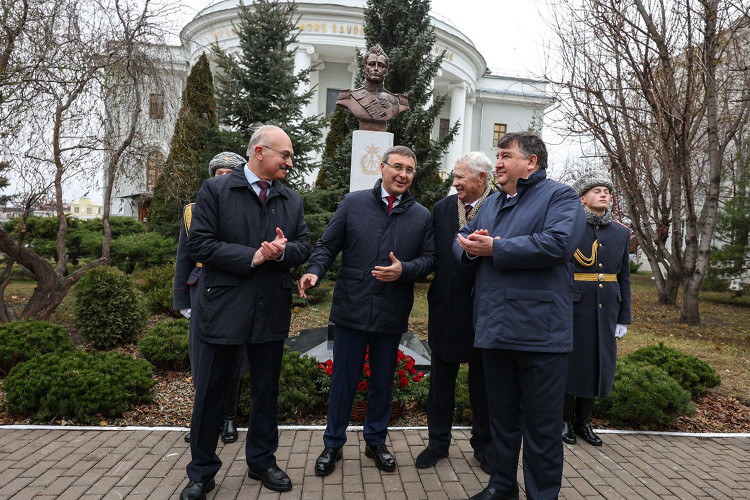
{"points": [[335, 167], [194, 142], [403, 30], [258, 85]]}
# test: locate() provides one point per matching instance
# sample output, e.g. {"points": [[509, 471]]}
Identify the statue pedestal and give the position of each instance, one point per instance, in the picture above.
{"points": [[367, 150]]}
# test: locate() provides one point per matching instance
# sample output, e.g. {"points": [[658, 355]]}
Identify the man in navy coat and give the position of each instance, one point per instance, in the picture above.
{"points": [[248, 230], [523, 240], [451, 325], [387, 243]]}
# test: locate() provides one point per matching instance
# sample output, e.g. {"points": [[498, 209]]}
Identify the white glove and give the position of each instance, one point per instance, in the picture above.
{"points": [[186, 313], [620, 331]]}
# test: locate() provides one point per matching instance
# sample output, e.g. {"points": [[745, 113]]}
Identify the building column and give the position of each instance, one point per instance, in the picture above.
{"points": [[353, 69], [468, 124], [458, 107], [302, 61]]}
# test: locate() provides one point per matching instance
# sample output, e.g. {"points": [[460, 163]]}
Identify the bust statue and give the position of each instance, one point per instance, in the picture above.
{"points": [[372, 104]]}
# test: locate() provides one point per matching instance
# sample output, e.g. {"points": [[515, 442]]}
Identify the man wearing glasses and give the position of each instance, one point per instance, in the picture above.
{"points": [[248, 231], [387, 243]]}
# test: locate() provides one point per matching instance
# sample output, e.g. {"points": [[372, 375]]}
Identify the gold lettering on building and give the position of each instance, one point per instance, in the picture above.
{"points": [[335, 28]]}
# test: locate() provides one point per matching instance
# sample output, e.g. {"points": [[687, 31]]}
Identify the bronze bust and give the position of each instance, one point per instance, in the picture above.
{"points": [[372, 104]]}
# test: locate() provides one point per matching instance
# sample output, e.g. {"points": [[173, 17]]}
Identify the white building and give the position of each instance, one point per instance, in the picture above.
{"points": [[330, 33]]}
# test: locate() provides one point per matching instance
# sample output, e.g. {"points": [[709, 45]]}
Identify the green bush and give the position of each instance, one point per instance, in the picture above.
{"points": [[644, 396], [157, 288], [693, 374], [23, 340], [109, 309], [463, 412], [634, 266], [166, 345], [301, 388], [78, 386], [142, 251], [314, 296]]}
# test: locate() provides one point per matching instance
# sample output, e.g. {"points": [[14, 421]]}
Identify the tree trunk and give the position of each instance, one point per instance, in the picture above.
{"points": [[690, 314]]}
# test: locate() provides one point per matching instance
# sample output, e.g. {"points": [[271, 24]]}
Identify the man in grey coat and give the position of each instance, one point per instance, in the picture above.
{"points": [[523, 240], [248, 231]]}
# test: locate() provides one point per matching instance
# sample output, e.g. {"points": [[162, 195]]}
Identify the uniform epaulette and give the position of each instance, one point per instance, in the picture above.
{"points": [[187, 216], [623, 225], [344, 94], [403, 100]]}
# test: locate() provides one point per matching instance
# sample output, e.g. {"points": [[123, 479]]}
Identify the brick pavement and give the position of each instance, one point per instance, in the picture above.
{"points": [[70, 464]]}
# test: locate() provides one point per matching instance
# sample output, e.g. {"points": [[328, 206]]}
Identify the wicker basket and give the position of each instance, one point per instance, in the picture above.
{"points": [[359, 410]]}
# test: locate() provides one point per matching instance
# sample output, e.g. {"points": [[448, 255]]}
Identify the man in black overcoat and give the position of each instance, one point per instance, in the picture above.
{"points": [[451, 320], [248, 230]]}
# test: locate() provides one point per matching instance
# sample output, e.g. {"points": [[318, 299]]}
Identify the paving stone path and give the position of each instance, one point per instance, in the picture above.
{"points": [[92, 463]]}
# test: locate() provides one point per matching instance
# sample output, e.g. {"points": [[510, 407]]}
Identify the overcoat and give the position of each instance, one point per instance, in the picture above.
{"points": [[238, 303], [186, 273], [450, 324], [598, 307], [522, 296], [365, 233]]}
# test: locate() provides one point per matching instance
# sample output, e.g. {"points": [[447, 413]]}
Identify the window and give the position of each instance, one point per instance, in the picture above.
{"points": [[154, 164], [331, 98], [498, 133], [88, 210], [445, 125], [156, 107], [98, 211], [76, 210]]}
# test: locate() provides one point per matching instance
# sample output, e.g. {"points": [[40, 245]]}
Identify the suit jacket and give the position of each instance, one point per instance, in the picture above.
{"points": [[366, 233], [451, 322], [239, 303], [522, 296]]}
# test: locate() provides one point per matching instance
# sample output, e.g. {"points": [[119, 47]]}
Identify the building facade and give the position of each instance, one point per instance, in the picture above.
{"points": [[330, 34]]}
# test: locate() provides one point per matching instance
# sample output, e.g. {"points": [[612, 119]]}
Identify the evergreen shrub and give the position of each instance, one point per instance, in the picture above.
{"points": [[157, 288], [109, 309], [693, 374], [166, 345], [644, 396], [23, 340], [142, 251], [301, 388], [78, 386]]}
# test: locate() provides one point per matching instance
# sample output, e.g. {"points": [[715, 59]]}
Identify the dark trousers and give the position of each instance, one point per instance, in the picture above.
{"points": [[441, 404], [526, 402], [349, 348], [214, 366]]}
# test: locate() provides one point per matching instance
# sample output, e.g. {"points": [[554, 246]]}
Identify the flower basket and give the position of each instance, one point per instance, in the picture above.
{"points": [[359, 411]]}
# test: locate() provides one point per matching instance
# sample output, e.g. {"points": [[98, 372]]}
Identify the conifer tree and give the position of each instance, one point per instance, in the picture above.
{"points": [[194, 142], [335, 166], [258, 85], [404, 31]]}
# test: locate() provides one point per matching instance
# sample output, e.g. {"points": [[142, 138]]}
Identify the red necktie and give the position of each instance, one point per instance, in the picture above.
{"points": [[263, 191], [391, 199], [468, 209]]}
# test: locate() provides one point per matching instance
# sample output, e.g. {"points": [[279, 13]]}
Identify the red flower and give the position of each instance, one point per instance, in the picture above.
{"points": [[329, 370], [401, 356], [329, 362], [363, 386], [322, 366], [367, 356], [401, 374], [417, 379], [404, 381]]}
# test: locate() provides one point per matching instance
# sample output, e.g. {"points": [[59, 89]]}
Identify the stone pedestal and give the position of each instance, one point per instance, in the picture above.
{"points": [[367, 151]]}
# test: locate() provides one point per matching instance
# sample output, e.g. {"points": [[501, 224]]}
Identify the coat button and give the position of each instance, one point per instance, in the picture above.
{"points": [[601, 286], [600, 306], [601, 265]]}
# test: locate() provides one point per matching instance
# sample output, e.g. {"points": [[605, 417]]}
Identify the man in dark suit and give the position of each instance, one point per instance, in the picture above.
{"points": [[522, 243], [248, 230], [451, 321], [387, 244]]}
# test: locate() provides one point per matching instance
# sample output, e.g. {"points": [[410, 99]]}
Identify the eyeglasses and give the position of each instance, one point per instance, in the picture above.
{"points": [[401, 168], [285, 155]]}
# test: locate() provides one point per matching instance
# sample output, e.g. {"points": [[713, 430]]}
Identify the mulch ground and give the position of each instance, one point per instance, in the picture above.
{"points": [[173, 402]]}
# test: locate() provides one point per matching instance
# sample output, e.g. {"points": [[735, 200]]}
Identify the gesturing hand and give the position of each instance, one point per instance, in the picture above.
{"points": [[388, 273]]}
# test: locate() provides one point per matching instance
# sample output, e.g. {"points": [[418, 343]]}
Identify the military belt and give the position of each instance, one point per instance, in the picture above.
{"points": [[594, 277]]}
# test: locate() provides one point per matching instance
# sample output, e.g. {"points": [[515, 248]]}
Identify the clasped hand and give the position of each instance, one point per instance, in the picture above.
{"points": [[270, 250], [478, 243]]}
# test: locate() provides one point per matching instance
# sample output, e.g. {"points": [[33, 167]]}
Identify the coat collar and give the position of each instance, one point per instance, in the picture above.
{"points": [[407, 199], [237, 179]]}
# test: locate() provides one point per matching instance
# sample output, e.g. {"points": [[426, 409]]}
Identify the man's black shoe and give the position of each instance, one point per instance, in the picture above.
{"points": [[197, 491], [229, 431], [429, 457], [187, 437], [272, 478], [568, 435], [326, 462], [492, 494], [384, 460], [584, 430]]}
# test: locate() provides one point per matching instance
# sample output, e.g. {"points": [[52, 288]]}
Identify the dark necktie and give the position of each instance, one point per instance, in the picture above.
{"points": [[263, 185], [391, 199], [468, 209]]}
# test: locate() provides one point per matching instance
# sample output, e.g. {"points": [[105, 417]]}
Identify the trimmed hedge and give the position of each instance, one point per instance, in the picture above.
{"points": [[158, 288], [78, 386], [166, 345], [23, 340], [693, 374], [644, 396]]}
